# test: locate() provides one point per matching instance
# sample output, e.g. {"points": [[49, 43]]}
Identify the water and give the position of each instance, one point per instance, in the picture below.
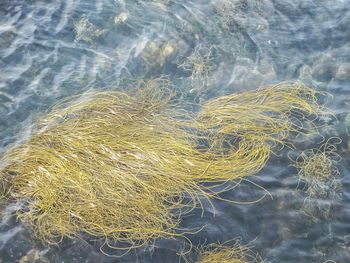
{"points": [[53, 49]]}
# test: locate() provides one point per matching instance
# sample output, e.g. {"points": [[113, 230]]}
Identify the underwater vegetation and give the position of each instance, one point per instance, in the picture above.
{"points": [[125, 167], [270, 114], [94, 166], [227, 11], [224, 253], [198, 64], [317, 168], [231, 13]]}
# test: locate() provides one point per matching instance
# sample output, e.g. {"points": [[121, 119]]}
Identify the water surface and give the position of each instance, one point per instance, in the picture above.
{"points": [[53, 49]]}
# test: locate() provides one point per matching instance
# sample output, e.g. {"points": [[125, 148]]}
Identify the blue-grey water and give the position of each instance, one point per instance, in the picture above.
{"points": [[56, 48]]}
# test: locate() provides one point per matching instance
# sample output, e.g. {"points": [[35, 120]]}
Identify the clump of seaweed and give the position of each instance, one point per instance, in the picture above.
{"points": [[199, 63], [317, 168], [126, 166], [232, 13], [101, 165], [233, 16], [86, 31], [224, 253], [228, 11]]}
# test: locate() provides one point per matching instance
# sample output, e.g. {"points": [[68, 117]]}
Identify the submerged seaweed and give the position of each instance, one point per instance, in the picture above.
{"points": [[125, 167], [225, 253], [198, 64], [317, 168]]}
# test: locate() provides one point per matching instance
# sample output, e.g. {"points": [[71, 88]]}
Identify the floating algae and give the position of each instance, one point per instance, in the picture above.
{"points": [[199, 63], [99, 165], [237, 253], [228, 11], [123, 167], [265, 115], [317, 168]]}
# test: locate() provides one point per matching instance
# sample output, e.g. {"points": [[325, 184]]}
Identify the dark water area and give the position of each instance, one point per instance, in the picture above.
{"points": [[53, 49]]}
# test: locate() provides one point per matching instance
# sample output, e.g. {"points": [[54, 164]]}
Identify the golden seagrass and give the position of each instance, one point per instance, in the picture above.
{"points": [[124, 167], [261, 115], [101, 164], [318, 168], [221, 253]]}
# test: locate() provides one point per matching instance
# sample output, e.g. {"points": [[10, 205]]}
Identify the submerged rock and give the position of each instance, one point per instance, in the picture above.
{"points": [[343, 72], [86, 31], [156, 52], [324, 71], [121, 18]]}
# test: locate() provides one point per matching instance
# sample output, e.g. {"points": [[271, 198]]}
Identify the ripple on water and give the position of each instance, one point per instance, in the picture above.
{"points": [[53, 49]]}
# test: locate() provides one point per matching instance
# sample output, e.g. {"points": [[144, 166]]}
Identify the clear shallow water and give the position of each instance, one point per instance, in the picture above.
{"points": [[53, 49]]}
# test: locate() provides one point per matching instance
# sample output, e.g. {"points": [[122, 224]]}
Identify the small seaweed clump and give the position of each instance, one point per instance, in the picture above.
{"points": [[198, 64], [125, 167], [233, 14], [237, 253], [317, 168], [228, 11]]}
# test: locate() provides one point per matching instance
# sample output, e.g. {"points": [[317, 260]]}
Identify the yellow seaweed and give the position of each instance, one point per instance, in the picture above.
{"points": [[123, 166], [99, 165], [317, 168], [266, 114], [223, 253]]}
